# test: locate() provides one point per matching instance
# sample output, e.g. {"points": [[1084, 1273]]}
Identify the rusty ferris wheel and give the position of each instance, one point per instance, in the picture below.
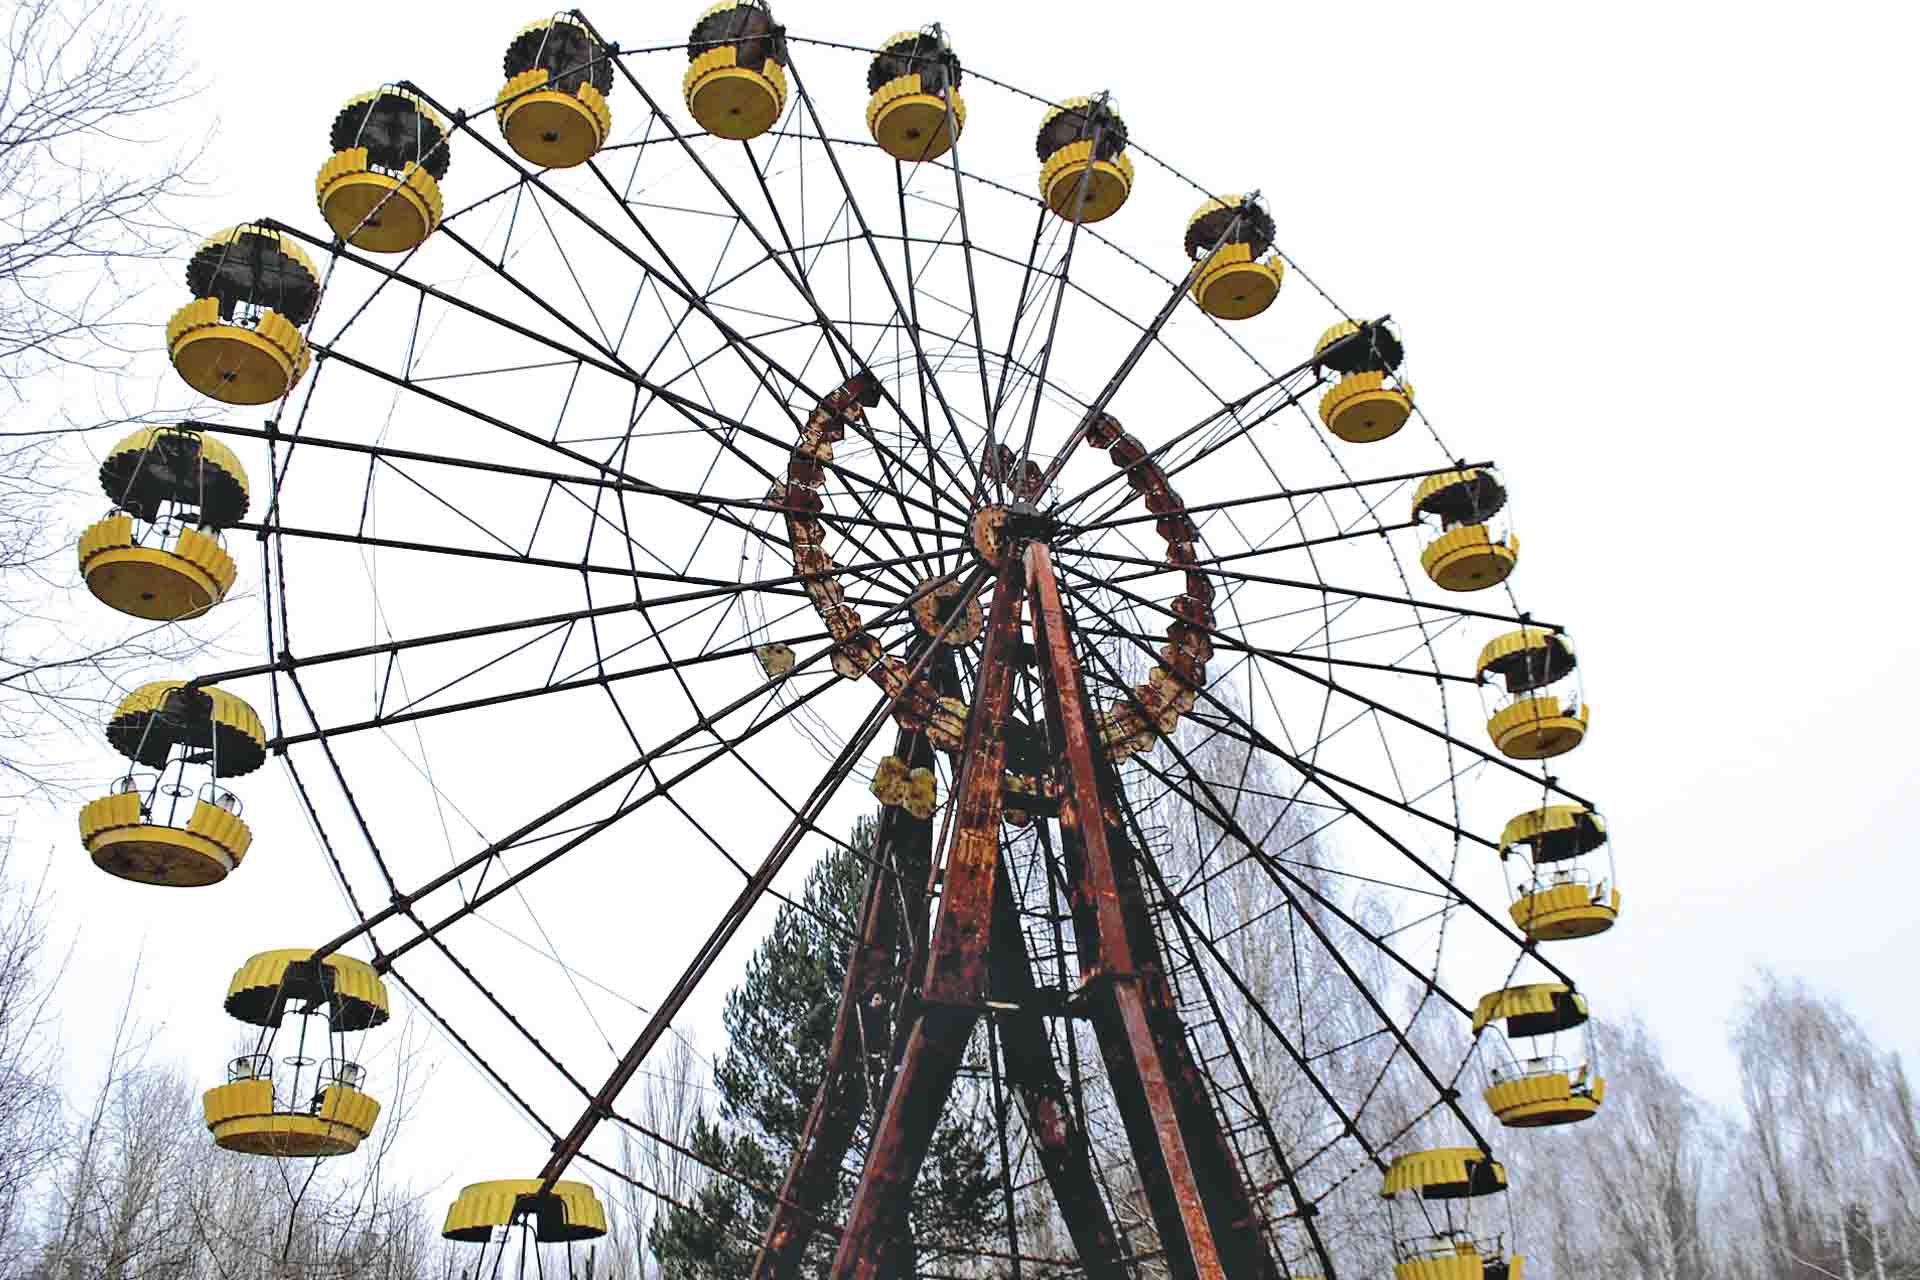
{"points": [[713, 454]]}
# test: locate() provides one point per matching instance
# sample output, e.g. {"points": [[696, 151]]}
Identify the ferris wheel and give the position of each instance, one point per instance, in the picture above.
{"points": [[726, 447]]}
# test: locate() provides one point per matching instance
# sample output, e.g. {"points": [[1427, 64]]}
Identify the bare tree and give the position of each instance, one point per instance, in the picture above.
{"points": [[1257, 872], [1641, 1190], [143, 1194], [85, 176], [89, 93], [657, 1167], [29, 1058], [1832, 1132]]}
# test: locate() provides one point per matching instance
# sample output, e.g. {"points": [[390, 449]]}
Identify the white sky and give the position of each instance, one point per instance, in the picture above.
{"points": [[1655, 263]]}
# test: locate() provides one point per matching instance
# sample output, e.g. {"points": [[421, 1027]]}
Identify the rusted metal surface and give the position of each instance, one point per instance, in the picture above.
{"points": [[1207, 1223], [955, 984], [1208, 1226], [1022, 479], [942, 611], [1171, 691], [935, 1049], [1065, 1157], [918, 705], [1224, 1189], [988, 532], [956, 968], [876, 971]]}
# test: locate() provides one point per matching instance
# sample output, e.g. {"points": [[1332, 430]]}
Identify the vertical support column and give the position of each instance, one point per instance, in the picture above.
{"points": [[876, 970], [1058, 1139], [1209, 1228], [955, 986]]}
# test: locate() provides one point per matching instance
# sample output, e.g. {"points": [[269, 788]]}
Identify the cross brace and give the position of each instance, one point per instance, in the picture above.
{"points": [[1207, 1224]]}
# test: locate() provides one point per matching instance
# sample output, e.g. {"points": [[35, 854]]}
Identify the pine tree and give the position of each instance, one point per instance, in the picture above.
{"points": [[779, 1024], [712, 1239]]}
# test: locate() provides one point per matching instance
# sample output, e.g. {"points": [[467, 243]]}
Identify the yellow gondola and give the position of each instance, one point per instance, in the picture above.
{"points": [[1232, 239], [1564, 896], [298, 1105], [553, 108], [568, 1213], [1085, 174], [239, 340], [1466, 554], [159, 555], [913, 80], [380, 189], [1435, 1236], [162, 829], [1542, 715], [1367, 403], [736, 86], [1444, 1173], [1454, 1258], [1538, 1087]]}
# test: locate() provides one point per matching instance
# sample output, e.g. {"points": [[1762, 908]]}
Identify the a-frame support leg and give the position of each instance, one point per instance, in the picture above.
{"points": [[1065, 1157], [954, 990], [875, 971], [1209, 1229]]}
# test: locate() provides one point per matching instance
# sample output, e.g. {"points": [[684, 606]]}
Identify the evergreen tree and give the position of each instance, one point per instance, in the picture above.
{"points": [[779, 1024], [712, 1240]]}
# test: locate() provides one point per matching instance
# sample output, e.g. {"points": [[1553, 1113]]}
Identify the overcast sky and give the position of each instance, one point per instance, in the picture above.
{"points": [[1659, 261]]}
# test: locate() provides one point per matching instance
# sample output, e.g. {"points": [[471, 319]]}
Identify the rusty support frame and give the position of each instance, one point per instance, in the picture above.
{"points": [[1208, 1224], [1209, 1228], [876, 973], [1059, 1140], [954, 988]]}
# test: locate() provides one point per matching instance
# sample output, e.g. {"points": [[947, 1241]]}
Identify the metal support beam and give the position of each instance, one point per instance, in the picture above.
{"points": [[1065, 1156], [876, 971], [602, 1104], [955, 986], [1208, 1225]]}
